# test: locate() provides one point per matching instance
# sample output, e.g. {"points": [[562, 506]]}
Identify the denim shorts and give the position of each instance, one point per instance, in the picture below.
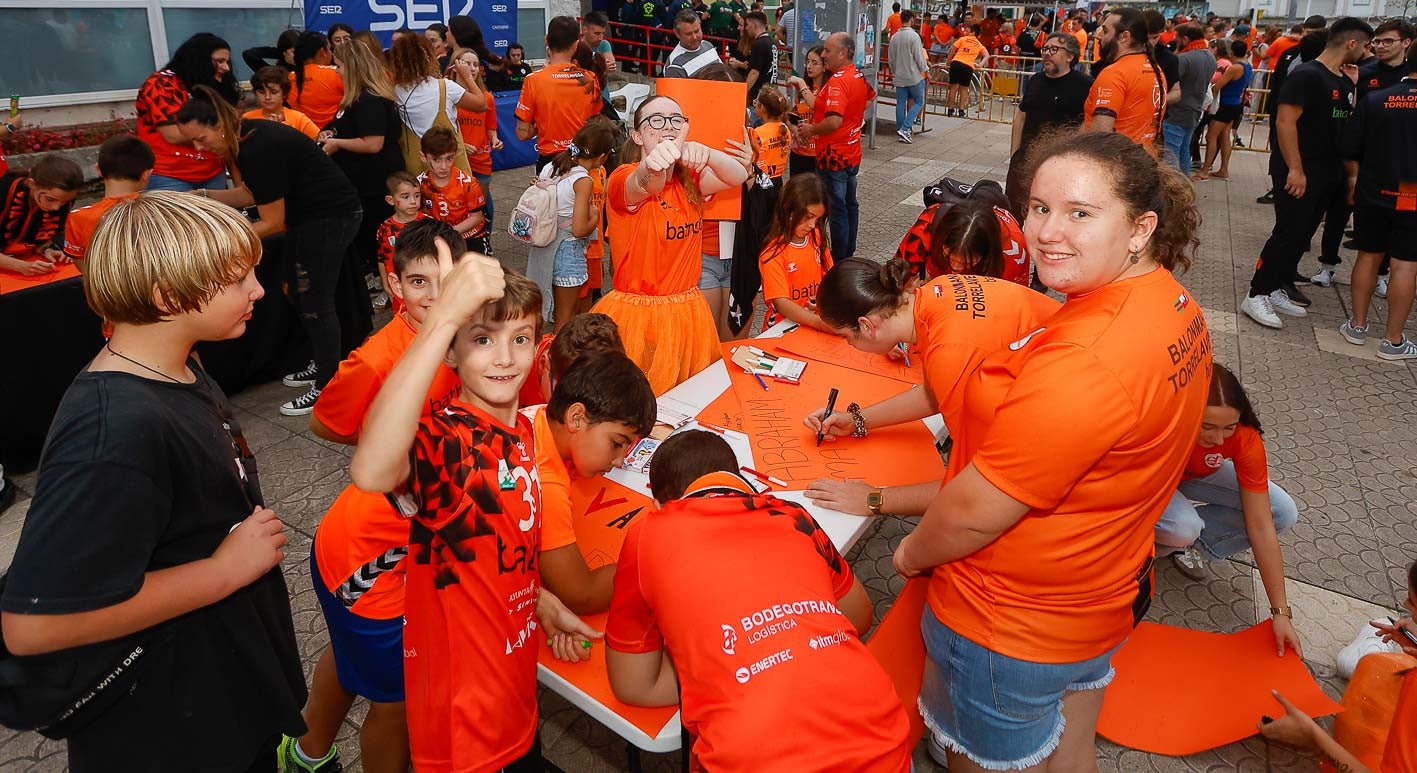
{"points": [[717, 272], [568, 269], [1002, 713]]}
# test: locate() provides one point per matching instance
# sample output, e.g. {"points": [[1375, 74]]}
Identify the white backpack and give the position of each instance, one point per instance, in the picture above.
{"points": [[533, 221]]}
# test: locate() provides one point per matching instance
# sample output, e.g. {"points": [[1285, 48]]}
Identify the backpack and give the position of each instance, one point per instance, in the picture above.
{"points": [[534, 220]]}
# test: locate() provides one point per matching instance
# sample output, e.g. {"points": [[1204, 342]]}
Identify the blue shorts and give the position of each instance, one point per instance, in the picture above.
{"points": [[716, 272], [1002, 713], [568, 268], [368, 652]]}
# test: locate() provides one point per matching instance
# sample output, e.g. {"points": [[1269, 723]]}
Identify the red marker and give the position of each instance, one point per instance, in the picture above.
{"points": [[764, 477]]}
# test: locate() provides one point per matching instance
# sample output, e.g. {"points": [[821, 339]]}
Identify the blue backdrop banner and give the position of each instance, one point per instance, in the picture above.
{"points": [[498, 18]]}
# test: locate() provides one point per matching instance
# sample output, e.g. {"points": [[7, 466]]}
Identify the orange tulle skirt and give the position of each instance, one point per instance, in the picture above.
{"points": [[671, 337]]}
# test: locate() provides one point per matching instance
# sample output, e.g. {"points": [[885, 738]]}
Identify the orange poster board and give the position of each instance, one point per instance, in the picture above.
{"points": [[785, 448], [1181, 692], [10, 282], [725, 411], [601, 510], [823, 347], [717, 112]]}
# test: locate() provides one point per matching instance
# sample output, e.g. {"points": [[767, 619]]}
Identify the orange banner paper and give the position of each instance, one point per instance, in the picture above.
{"points": [[823, 347], [10, 283], [1180, 692]]}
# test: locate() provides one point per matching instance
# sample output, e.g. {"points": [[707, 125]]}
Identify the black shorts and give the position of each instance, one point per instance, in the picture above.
{"points": [[1228, 113], [1379, 229], [960, 74]]}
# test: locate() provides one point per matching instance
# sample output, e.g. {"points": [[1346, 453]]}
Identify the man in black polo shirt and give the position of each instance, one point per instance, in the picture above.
{"points": [[1380, 155], [1054, 99], [1282, 67], [1314, 103]]}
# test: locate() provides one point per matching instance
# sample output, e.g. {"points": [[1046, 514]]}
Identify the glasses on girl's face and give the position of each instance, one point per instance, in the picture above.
{"points": [[661, 122]]}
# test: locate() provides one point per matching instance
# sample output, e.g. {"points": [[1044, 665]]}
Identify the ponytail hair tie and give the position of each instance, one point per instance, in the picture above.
{"points": [[573, 150]]}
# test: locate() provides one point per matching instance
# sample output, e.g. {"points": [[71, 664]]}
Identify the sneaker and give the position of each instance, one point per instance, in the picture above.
{"points": [[904, 135], [288, 761], [1282, 303], [1367, 642], [1238, 143], [301, 405], [937, 750], [1297, 297], [1260, 309], [1324, 277], [1298, 279], [373, 284], [1381, 289], [380, 301], [1350, 245], [1406, 349], [302, 378], [1353, 334], [1191, 563], [1267, 198]]}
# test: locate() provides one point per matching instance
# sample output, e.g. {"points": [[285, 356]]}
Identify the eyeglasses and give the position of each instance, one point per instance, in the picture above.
{"points": [[1381, 42], [660, 122], [1050, 50]]}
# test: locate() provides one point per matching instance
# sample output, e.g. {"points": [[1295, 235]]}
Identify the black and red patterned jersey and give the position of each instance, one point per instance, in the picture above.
{"points": [[470, 630], [159, 99], [915, 247], [846, 94], [24, 227]]}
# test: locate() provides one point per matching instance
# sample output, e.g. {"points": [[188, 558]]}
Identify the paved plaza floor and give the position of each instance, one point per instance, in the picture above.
{"points": [[1338, 427]]}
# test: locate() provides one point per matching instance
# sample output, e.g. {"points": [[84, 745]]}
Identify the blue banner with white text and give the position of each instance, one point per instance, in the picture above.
{"points": [[497, 18]]}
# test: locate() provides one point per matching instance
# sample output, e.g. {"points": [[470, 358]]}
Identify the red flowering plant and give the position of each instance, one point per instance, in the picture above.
{"points": [[40, 139]]}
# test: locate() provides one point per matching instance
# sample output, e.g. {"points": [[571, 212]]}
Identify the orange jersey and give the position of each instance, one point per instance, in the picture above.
{"points": [[596, 249], [558, 98], [793, 272], [769, 668], [1088, 420], [388, 234], [456, 201], [712, 245], [1277, 49], [319, 100], [942, 34], [470, 634], [960, 319], [477, 130], [657, 246], [159, 99], [1245, 448], [893, 23], [557, 526], [79, 227], [967, 50], [290, 117], [771, 143], [531, 392], [1400, 754], [1133, 91], [808, 145]]}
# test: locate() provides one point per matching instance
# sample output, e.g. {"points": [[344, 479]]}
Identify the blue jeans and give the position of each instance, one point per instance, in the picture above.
{"points": [[1217, 524], [845, 212], [904, 119], [158, 182], [1178, 143]]}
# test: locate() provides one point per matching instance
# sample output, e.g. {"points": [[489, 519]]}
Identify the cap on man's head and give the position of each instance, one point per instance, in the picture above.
{"points": [[1315, 22]]}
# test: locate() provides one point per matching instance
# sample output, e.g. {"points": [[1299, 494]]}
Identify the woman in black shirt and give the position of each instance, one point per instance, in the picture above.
{"points": [[299, 191]]}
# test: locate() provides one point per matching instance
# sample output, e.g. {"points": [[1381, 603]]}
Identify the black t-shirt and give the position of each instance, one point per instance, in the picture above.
{"points": [[762, 58], [140, 475], [1327, 102], [278, 162], [1282, 65], [1049, 102], [1170, 65], [1373, 75], [1382, 137], [370, 116], [1030, 41], [509, 78]]}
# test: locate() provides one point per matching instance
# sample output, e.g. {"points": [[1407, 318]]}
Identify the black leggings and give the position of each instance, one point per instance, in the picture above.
{"points": [[314, 253], [798, 163]]}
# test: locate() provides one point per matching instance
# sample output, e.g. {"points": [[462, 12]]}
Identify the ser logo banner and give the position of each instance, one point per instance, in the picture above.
{"points": [[497, 20]]}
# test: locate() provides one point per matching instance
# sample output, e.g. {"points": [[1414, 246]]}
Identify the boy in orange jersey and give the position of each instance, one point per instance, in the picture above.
{"points": [[356, 562], [271, 87], [750, 654], [466, 478], [600, 408], [125, 163], [450, 194], [585, 333], [406, 197]]}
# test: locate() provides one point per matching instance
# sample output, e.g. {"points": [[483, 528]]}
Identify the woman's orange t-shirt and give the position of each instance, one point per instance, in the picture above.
{"points": [[1088, 421], [771, 143], [657, 245], [794, 272], [477, 129], [324, 88], [290, 117], [808, 148], [1244, 448]]}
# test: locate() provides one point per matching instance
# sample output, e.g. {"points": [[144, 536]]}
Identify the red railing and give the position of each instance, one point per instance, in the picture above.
{"points": [[648, 47]]}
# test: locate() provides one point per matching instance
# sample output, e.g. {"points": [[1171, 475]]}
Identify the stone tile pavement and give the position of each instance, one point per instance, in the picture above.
{"points": [[1338, 428]]}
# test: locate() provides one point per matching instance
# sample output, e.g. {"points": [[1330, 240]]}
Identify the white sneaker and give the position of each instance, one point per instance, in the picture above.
{"points": [[936, 749], [1324, 278], [904, 135], [1365, 643], [1260, 309], [1381, 289], [1280, 300]]}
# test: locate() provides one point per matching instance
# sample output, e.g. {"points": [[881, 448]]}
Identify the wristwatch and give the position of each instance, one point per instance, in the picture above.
{"points": [[873, 501], [1285, 611]]}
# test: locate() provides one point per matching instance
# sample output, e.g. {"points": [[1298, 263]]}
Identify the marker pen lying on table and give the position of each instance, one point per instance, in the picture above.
{"points": [[761, 382], [764, 477], [831, 404], [712, 428]]}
